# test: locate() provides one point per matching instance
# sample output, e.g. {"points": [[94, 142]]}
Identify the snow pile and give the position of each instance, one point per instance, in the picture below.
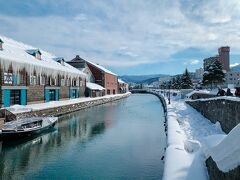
{"points": [[226, 153], [19, 109], [121, 81], [94, 86], [187, 130], [53, 104], [204, 91]]}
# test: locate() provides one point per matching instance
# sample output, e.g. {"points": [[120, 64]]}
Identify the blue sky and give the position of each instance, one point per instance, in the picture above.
{"points": [[127, 36]]}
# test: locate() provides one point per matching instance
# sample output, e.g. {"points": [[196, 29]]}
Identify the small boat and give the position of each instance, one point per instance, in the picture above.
{"points": [[27, 127]]}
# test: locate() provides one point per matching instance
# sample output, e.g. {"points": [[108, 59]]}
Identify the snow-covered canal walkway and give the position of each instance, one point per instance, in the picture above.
{"points": [[187, 130]]}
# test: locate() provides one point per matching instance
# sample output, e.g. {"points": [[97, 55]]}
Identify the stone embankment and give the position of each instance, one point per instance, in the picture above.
{"points": [[64, 109], [225, 110]]}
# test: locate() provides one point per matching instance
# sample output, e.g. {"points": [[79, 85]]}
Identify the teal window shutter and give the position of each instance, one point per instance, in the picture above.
{"points": [[70, 93], [15, 79], [6, 97], [56, 94], [23, 97], [47, 95], [77, 93]]}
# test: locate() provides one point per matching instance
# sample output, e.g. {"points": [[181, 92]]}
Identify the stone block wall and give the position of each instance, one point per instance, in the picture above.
{"points": [[224, 110], [215, 174], [35, 93], [227, 112], [64, 92], [58, 111]]}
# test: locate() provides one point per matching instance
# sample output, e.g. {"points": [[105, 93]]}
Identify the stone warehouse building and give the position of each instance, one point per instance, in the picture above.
{"points": [[97, 74], [29, 75]]}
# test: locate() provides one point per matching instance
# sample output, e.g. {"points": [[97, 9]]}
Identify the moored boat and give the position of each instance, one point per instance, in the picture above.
{"points": [[27, 127]]}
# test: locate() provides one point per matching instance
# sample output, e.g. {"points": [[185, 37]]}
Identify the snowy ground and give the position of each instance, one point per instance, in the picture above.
{"points": [[187, 132], [52, 104]]}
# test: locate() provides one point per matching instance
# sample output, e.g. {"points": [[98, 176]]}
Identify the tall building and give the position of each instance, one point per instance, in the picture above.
{"points": [[224, 57], [199, 73]]}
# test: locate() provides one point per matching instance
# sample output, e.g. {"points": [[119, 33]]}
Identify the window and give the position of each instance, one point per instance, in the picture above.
{"points": [[73, 82], [77, 82], [15, 97], [114, 91], [81, 83], [55, 81], [108, 91], [8, 78], [16, 79], [74, 93], [62, 82], [33, 80], [52, 94], [42, 80], [52, 81], [68, 82]]}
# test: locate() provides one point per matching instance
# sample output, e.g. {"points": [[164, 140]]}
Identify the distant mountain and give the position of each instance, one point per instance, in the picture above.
{"points": [[236, 68], [142, 78]]}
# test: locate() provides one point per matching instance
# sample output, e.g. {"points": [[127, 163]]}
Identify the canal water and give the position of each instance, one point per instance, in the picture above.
{"points": [[118, 140]]}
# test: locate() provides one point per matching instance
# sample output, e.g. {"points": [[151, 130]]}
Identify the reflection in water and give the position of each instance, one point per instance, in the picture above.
{"points": [[86, 143], [19, 157]]}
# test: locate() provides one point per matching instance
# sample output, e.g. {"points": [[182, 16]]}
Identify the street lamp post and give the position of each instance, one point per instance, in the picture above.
{"points": [[169, 86]]}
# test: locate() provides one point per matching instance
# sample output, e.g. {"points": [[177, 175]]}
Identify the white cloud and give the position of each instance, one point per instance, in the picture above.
{"points": [[233, 65], [192, 62], [130, 33]]}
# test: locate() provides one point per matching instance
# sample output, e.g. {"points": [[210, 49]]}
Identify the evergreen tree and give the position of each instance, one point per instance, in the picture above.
{"points": [[178, 82], [186, 80], [173, 83], [214, 74]]}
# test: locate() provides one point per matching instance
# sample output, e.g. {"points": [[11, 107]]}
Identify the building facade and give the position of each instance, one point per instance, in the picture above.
{"points": [[199, 73], [29, 75], [122, 86], [99, 74], [232, 79], [224, 57]]}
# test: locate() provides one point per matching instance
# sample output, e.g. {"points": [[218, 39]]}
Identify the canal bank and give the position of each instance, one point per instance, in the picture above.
{"points": [[187, 134], [58, 108], [122, 139]]}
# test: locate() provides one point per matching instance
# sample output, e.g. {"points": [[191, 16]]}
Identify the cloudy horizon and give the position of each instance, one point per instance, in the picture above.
{"points": [[128, 36]]}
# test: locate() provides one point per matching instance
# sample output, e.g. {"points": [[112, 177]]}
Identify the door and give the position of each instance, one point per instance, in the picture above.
{"points": [[15, 97], [52, 94]]}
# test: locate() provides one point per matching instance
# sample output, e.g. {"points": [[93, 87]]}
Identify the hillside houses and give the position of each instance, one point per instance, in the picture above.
{"points": [[30, 75]]}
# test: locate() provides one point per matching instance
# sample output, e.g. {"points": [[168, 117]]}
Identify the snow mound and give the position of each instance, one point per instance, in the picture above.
{"points": [[19, 109], [191, 146], [226, 153]]}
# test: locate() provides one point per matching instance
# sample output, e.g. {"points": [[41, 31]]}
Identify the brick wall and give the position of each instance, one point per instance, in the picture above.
{"points": [[35, 93], [63, 92], [111, 83]]}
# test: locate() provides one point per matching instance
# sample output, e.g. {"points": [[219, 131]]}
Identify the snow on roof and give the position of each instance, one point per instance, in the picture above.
{"points": [[94, 86], [101, 67], [121, 81], [15, 53], [226, 153]]}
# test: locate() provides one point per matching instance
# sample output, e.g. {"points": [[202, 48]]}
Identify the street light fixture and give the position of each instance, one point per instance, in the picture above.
{"points": [[169, 86]]}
